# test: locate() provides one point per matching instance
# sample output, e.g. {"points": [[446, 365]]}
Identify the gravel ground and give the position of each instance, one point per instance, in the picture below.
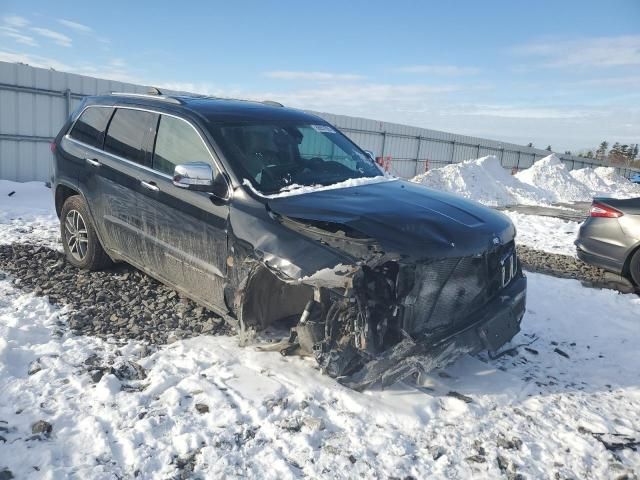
{"points": [[573, 212], [563, 266], [121, 303]]}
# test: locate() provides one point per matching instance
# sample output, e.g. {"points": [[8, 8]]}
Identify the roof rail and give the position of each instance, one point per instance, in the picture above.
{"points": [[150, 96], [272, 103]]}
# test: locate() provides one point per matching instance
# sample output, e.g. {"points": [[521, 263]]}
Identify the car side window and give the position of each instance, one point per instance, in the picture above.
{"points": [[90, 127], [176, 143], [130, 133]]}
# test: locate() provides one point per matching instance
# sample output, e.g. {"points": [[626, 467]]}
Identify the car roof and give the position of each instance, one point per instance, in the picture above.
{"points": [[213, 109]]}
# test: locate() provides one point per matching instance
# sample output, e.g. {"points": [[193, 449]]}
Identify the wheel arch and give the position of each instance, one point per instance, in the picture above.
{"points": [[626, 268], [265, 298]]}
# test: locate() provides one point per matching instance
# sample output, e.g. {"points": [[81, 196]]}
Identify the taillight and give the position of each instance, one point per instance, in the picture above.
{"points": [[601, 210], [52, 146]]}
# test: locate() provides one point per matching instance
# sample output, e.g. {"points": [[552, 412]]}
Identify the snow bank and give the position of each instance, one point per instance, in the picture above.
{"points": [[483, 180], [551, 175]]}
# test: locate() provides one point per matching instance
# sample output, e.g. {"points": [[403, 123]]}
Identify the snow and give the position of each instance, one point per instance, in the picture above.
{"points": [[592, 180], [28, 215], [483, 180], [546, 182], [278, 417], [552, 175], [620, 186], [548, 234], [295, 189]]}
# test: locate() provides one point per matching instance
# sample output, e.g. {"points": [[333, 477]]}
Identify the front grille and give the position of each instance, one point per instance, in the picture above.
{"points": [[446, 292]]}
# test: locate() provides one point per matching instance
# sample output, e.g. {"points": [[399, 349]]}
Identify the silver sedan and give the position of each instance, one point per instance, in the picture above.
{"points": [[610, 237]]}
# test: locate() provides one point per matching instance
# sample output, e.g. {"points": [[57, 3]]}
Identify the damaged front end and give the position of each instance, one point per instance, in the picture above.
{"points": [[377, 281], [385, 316]]}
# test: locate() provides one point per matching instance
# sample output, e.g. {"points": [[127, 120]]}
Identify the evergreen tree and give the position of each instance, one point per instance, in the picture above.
{"points": [[530, 144], [548, 149], [617, 154], [601, 152]]}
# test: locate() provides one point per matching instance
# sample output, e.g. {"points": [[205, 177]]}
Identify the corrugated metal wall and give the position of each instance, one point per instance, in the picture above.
{"points": [[35, 102]]}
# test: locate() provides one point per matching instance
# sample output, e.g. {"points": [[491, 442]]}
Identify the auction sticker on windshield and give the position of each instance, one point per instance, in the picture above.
{"points": [[323, 128]]}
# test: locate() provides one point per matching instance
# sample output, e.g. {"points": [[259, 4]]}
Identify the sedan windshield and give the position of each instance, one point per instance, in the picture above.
{"points": [[280, 156]]}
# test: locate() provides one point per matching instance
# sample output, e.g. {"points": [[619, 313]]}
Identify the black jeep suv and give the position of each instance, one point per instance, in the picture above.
{"points": [[269, 215]]}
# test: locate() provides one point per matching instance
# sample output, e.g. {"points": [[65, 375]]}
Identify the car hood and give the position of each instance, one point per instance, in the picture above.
{"points": [[404, 217]]}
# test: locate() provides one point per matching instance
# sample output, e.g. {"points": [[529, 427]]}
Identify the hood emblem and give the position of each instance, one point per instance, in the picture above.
{"points": [[496, 241]]}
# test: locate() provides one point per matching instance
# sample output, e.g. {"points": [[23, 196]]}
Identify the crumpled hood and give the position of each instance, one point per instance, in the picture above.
{"points": [[404, 217]]}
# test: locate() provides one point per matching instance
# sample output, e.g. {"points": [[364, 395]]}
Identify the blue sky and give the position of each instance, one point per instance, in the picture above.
{"points": [[565, 73]]}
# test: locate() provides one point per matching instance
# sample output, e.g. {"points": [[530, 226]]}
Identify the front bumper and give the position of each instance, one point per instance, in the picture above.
{"points": [[491, 327]]}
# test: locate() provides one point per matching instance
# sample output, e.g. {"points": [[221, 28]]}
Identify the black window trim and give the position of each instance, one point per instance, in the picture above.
{"points": [[104, 134], [144, 147], [130, 162]]}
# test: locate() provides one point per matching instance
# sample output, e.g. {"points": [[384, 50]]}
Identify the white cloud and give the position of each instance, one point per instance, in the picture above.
{"points": [[19, 37], [518, 111], [589, 52], [33, 60], [631, 81], [312, 76], [111, 70], [451, 70], [13, 27], [15, 21], [57, 37], [79, 27], [360, 95]]}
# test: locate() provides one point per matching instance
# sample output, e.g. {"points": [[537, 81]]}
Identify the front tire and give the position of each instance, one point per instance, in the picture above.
{"points": [[79, 238], [634, 267]]}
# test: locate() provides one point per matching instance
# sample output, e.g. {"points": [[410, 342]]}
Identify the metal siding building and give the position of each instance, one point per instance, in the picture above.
{"points": [[35, 102]]}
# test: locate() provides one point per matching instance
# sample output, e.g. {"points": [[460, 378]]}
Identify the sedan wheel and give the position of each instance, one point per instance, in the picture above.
{"points": [[634, 267]]}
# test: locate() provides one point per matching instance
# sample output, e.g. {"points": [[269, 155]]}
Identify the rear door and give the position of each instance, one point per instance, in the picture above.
{"points": [[113, 180], [185, 230]]}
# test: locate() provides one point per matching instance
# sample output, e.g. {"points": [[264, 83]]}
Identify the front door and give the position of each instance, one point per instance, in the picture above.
{"points": [[185, 230]]}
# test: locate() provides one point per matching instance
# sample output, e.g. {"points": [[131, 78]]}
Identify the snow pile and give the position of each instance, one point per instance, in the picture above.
{"points": [[551, 175], [547, 181], [592, 180], [619, 186], [483, 180]]}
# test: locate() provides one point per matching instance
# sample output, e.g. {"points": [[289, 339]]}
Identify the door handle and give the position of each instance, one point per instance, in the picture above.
{"points": [[92, 162], [150, 186]]}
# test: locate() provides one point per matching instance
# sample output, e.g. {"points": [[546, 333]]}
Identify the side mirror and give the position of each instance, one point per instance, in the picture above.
{"points": [[198, 176], [370, 154]]}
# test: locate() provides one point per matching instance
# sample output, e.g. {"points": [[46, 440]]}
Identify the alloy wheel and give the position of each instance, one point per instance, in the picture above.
{"points": [[76, 235]]}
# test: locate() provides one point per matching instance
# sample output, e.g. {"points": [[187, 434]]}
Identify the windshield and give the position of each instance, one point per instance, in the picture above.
{"points": [[280, 156]]}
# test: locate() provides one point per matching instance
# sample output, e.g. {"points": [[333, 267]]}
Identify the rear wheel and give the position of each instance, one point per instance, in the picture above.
{"points": [[634, 267], [79, 238]]}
